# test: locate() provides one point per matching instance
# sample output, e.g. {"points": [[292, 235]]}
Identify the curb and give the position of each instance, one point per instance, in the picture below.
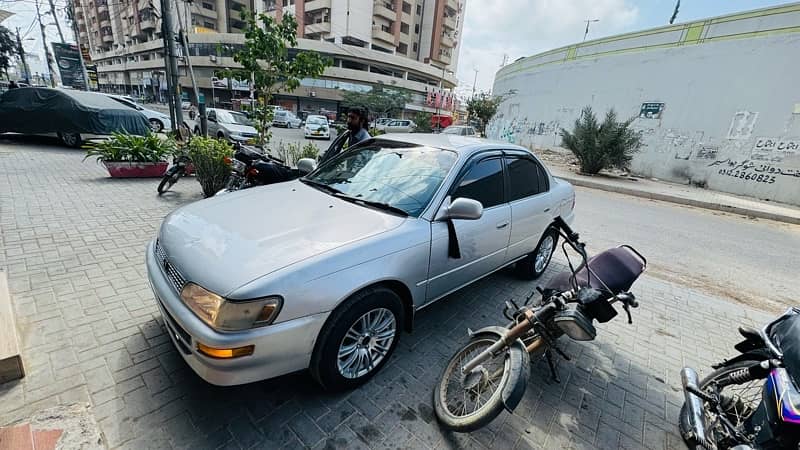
{"points": [[683, 200]]}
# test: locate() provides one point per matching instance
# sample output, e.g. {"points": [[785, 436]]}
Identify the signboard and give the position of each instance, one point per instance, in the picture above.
{"points": [[68, 60], [91, 72], [236, 85], [651, 110]]}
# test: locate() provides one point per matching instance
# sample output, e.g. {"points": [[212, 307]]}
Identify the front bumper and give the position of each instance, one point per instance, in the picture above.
{"points": [[280, 348]]}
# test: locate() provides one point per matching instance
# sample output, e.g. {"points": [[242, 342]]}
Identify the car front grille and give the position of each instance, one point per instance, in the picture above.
{"points": [[175, 277]]}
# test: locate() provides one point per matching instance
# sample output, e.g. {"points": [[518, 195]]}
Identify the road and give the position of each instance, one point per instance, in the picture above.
{"points": [[753, 261]]}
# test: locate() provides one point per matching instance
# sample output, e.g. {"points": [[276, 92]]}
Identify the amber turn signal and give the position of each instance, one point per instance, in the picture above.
{"points": [[225, 353]]}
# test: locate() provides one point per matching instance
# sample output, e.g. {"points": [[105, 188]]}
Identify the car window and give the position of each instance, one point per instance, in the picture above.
{"points": [[483, 182], [403, 177], [212, 115], [525, 178], [316, 120]]}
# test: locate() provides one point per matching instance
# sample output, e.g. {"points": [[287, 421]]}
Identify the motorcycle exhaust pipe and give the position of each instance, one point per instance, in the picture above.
{"points": [[696, 429]]}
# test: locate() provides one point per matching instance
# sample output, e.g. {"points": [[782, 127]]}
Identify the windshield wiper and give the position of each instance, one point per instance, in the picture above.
{"points": [[322, 186], [373, 204]]}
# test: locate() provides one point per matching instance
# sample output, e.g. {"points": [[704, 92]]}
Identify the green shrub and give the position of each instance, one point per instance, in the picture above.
{"points": [[598, 146], [131, 148], [309, 151], [375, 132], [423, 121], [208, 157]]}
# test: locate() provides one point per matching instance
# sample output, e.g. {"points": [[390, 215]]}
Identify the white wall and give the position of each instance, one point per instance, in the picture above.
{"points": [[359, 23], [724, 102]]}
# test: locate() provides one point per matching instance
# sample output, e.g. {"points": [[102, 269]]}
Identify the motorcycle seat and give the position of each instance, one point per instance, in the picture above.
{"points": [[618, 268]]}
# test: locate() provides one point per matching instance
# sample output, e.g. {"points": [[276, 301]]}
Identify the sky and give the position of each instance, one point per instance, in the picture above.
{"points": [[492, 28], [518, 28]]}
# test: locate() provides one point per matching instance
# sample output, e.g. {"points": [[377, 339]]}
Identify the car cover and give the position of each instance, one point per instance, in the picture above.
{"points": [[43, 110]]}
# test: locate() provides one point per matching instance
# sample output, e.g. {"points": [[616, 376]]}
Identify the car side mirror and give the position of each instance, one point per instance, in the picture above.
{"points": [[306, 165], [462, 208]]}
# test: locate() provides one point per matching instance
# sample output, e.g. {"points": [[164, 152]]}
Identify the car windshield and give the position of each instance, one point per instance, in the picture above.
{"points": [[233, 118], [316, 121], [404, 178], [452, 130]]}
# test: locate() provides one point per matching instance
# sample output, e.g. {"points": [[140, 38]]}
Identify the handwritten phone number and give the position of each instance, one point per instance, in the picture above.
{"points": [[757, 177]]}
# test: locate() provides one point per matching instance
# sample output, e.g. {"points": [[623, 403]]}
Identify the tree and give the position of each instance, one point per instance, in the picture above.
{"points": [[266, 61], [8, 48], [380, 101], [482, 107], [598, 146], [423, 121]]}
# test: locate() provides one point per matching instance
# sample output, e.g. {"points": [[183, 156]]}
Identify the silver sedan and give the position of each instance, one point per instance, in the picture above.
{"points": [[324, 272]]}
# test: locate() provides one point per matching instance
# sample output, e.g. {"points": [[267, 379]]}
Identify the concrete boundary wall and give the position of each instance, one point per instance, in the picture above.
{"points": [[717, 101]]}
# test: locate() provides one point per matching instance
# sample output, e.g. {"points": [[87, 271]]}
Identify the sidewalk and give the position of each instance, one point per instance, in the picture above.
{"points": [[682, 194]]}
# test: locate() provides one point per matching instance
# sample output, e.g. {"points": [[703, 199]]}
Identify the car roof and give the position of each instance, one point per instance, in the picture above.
{"points": [[462, 144], [316, 115]]}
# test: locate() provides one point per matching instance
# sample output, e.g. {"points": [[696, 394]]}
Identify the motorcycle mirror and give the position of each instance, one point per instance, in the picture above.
{"points": [[306, 165]]}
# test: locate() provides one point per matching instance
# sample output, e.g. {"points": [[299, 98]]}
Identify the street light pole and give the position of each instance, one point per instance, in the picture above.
{"points": [[588, 21], [475, 81], [47, 54], [21, 50]]}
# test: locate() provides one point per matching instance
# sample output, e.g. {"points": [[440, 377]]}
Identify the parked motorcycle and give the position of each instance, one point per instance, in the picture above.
{"points": [[181, 167], [491, 371], [250, 167], [751, 401]]}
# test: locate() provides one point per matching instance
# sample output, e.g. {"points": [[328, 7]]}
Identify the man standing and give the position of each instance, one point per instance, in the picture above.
{"points": [[357, 124]]}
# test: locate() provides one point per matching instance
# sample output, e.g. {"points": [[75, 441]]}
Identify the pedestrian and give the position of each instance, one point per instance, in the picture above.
{"points": [[12, 84], [357, 124]]}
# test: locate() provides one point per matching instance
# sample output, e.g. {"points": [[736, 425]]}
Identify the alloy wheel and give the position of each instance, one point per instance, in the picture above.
{"points": [[366, 343], [544, 253]]}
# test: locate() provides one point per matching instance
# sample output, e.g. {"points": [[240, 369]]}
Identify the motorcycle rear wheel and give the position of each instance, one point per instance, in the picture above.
{"points": [[481, 391], [169, 179], [747, 395]]}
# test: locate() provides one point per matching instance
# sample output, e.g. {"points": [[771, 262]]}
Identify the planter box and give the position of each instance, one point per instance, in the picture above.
{"points": [[136, 170]]}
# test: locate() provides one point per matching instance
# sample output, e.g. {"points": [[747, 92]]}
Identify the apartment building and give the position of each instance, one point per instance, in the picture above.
{"points": [[407, 43]]}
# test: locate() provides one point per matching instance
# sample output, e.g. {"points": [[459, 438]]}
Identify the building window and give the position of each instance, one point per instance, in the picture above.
{"points": [[404, 28], [386, 28], [208, 6], [407, 8], [414, 47], [288, 3], [402, 48], [419, 9], [210, 25], [416, 28]]}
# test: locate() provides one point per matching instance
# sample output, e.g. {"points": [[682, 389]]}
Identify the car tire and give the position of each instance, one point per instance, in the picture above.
{"points": [[72, 140], [336, 343], [197, 131], [220, 135], [156, 126], [535, 264]]}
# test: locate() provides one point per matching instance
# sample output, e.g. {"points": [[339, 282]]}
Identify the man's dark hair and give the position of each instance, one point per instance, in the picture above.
{"points": [[362, 114]]}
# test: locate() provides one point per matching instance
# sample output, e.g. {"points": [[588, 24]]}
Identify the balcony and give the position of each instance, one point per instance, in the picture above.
{"points": [[315, 28], [80, 20], [84, 34], [448, 41], [315, 5], [380, 9], [443, 57], [108, 38], [450, 22], [453, 4], [147, 24], [105, 23], [383, 35], [102, 7]]}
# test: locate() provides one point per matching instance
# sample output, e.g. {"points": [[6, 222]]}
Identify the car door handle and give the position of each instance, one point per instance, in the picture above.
{"points": [[502, 225]]}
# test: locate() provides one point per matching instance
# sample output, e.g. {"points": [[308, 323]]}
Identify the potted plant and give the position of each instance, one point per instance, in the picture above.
{"points": [[127, 156]]}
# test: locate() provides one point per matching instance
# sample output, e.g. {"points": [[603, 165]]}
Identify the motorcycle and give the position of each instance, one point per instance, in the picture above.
{"points": [[751, 401], [250, 168], [181, 167], [490, 373]]}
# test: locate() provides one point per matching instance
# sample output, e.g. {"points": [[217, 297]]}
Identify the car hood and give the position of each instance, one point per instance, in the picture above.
{"points": [[239, 129], [224, 242]]}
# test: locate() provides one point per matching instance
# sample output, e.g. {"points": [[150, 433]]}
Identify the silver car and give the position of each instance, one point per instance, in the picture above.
{"points": [[231, 125], [325, 271]]}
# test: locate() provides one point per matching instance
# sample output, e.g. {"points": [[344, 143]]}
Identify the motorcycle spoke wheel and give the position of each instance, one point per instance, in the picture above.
{"points": [[464, 395]]}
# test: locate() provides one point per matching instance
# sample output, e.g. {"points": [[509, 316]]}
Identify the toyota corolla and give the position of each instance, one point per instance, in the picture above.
{"points": [[324, 272]]}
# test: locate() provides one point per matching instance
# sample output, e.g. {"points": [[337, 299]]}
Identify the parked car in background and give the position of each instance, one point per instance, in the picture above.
{"points": [[231, 125], [329, 284], [380, 124], [317, 127], [158, 121], [461, 130], [400, 126], [71, 115], [286, 119]]}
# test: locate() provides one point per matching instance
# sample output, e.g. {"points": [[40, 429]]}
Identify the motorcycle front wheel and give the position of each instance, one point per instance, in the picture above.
{"points": [[467, 402], [170, 178]]}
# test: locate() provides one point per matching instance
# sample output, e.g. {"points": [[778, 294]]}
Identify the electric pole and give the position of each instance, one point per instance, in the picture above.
{"points": [[78, 42], [55, 18], [21, 50], [587, 27], [171, 62], [47, 54], [475, 81]]}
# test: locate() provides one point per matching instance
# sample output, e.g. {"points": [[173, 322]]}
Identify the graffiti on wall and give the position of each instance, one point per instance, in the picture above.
{"points": [[774, 149], [754, 171], [742, 124]]}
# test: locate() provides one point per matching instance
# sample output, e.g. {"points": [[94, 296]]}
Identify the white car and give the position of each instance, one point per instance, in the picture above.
{"points": [[400, 126], [461, 130], [158, 121], [317, 127], [369, 238], [286, 119], [380, 124]]}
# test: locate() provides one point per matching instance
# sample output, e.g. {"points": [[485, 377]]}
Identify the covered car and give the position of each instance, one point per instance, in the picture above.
{"points": [[71, 115]]}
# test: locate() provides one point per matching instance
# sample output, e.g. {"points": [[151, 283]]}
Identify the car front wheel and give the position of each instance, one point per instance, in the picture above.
{"points": [[358, 339], [534, 265]]}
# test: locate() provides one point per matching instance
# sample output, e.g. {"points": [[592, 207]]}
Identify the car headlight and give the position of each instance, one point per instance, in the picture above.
{"points": [[226, 315]]}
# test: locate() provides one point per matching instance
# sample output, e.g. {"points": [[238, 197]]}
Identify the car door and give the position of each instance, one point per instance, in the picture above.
{"points": [[530, 202], [482, 243], [213, 127]]}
